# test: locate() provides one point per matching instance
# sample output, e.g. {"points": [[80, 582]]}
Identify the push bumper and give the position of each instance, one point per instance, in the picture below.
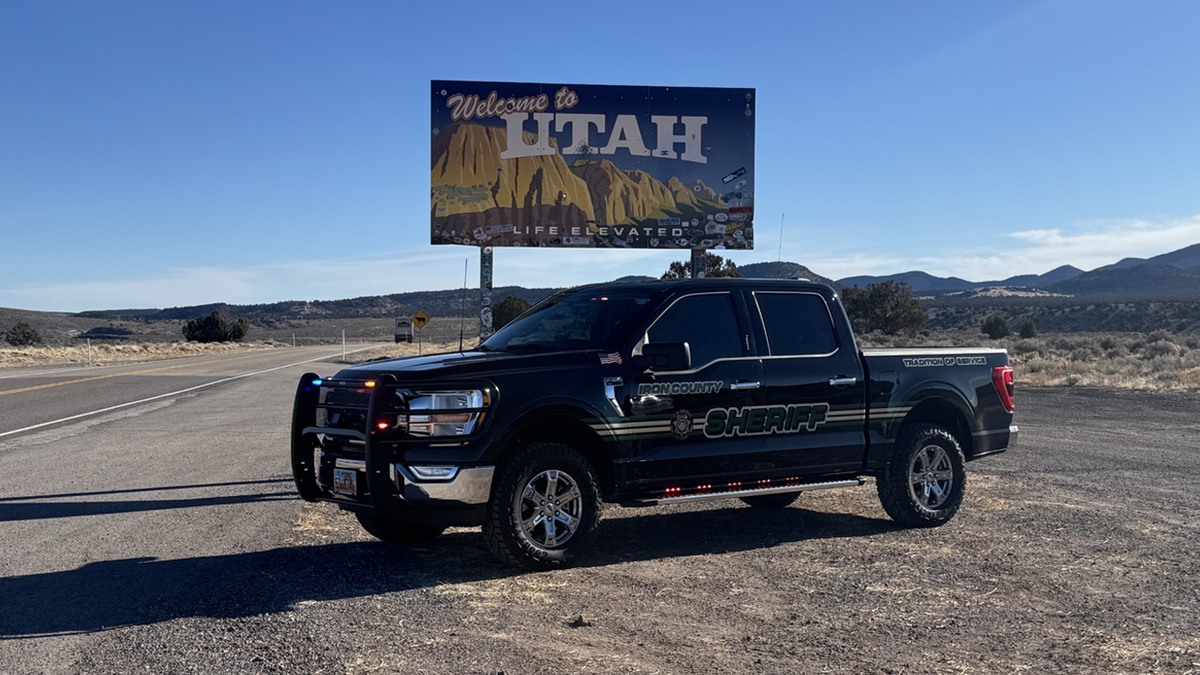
{"points": [[392, 489]]}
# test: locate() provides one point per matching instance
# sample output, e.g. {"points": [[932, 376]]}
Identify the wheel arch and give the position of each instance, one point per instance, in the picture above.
{"points": [[944, 411], [567, 425]]}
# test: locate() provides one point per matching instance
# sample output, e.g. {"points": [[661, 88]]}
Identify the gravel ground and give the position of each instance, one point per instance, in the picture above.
{"points": [[1073, 553]]}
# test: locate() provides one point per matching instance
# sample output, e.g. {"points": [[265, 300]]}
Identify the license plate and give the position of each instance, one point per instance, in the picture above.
{"points": [[345, 481]]}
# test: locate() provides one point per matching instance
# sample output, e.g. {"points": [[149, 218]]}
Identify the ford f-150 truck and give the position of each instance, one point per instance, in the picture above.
{"points": [[646, 393]]}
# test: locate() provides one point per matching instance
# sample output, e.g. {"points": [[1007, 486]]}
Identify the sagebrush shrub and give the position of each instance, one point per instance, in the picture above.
{"points": [[215, 328], [995, 327], [1161, 348], [22, 335]]}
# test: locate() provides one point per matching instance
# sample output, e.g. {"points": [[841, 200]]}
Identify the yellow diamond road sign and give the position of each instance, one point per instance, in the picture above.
{"points": [[420, 319]]}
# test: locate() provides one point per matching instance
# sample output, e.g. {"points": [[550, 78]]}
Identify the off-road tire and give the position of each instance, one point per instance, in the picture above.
{"points": [[779, 500], [503, 530], [894, 483], [396, 532]]}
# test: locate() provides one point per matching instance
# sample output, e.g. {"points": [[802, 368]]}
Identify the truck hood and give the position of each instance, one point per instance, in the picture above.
{"points": [[459, 365]]}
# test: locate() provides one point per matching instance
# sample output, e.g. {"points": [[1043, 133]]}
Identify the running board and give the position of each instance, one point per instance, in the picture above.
{"points": [[753, 492]]}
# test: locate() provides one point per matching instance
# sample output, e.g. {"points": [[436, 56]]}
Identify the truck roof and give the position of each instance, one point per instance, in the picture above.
{"points": [[660, 285]]}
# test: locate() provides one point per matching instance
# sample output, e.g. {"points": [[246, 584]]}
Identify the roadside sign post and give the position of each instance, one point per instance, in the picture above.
{"points": [[419, 321], [485, 291], [699, 263]]}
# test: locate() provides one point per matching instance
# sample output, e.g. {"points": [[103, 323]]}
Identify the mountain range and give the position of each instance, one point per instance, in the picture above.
{"points": [[1154, 278], [1131, 295], [1170, 276]]}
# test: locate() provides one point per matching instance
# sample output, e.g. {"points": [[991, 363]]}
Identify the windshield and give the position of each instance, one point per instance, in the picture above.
{"points": [[583, 319]]}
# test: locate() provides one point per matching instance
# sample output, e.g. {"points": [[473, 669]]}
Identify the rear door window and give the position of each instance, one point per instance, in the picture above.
{"points": [[798, 324]]}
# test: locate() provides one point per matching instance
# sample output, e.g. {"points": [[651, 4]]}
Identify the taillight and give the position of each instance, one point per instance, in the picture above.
{"points": [[1002, 380]]}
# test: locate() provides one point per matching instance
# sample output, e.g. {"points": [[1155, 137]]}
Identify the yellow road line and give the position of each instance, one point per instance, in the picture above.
{"points": [[137, 372]]}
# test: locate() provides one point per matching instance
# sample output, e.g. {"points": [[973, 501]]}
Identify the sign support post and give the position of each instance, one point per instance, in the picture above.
{"points": [[699, 263], [418, 322], [485, 292]]}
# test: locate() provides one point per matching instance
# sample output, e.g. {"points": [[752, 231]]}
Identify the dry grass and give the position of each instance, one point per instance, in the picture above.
{"points": [[109, 354], [404, 349], [1158, 360]]}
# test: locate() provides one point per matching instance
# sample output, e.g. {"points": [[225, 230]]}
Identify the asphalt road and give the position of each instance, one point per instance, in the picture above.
{"points": [[163, 537], [33, 396]]}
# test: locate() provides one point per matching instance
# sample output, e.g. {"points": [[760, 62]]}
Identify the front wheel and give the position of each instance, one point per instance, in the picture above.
{"points": [[396, 532], [923, 484], [544, 508]]}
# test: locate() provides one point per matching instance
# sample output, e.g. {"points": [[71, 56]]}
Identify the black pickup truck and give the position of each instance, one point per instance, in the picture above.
{"points": [[640, 394]]}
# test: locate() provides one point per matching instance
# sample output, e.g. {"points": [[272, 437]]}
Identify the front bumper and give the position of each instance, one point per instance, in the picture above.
{"points": [[469, 486], [459, 487]]}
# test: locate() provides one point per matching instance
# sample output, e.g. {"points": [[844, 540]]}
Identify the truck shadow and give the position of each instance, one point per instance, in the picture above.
{"points": [[143, 591], [36, 507]]}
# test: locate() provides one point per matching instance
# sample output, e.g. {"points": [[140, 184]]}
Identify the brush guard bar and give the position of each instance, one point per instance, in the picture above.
{"points": [[389, 483]]}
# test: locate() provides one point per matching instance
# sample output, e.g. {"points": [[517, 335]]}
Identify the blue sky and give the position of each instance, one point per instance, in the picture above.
{"points": [[163, 154]]}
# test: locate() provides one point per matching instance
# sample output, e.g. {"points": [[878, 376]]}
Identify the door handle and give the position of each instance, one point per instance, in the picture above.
{"points": [[842, 381], [743, 384]]}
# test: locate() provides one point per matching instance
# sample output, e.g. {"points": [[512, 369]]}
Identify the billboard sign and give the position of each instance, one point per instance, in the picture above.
{"points": [[578, 166]]}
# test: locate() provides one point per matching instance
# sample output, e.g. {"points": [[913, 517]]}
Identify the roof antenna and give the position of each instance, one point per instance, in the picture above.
{"points": [[781, 237], [462, 312]]}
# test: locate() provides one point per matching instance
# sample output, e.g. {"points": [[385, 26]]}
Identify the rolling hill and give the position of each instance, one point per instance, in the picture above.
{"points": [[782, 270], [1169, 276], [1147, 280], [919, 282]]}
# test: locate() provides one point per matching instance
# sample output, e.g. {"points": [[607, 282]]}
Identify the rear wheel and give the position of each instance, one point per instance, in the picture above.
{"points": [[775, 501], [924, 482], [396, 532], [545, 506]]}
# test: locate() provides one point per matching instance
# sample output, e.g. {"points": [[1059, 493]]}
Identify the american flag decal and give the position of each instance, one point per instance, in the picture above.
{"points": [[611, 359]]}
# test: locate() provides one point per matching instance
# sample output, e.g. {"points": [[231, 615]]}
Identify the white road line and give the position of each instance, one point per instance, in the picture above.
{"points": [[174, 393]]}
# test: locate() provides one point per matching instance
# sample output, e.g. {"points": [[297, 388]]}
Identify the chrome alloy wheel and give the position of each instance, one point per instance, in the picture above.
{"points": [[931, 477], [551, 508]]}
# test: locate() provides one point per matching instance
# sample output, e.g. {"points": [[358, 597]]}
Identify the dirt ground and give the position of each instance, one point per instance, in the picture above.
{"points": [[1072, 553]]}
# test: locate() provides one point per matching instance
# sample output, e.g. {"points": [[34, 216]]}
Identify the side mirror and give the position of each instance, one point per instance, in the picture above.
{"points": [[665, 356]]}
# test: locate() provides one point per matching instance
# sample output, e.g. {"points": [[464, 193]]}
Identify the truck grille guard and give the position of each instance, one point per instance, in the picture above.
{"points": [[379, 442]]}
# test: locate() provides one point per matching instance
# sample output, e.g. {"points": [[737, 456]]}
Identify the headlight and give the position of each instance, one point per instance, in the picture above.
{"points": [[441, 421]]}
